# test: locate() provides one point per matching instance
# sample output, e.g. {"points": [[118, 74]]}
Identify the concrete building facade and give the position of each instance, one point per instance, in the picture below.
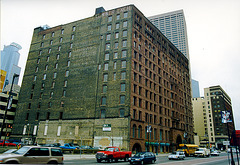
{"points": [[207, 117], [101, 81]]}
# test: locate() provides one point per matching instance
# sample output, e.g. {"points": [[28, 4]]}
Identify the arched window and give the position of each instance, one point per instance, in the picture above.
{"points": [[139, 131], [134, 131]]}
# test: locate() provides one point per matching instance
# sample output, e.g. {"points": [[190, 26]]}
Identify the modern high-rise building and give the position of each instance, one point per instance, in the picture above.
{"points": [[207, 112], [103, 81], [195, 89], [9, 62], [173, 26]]}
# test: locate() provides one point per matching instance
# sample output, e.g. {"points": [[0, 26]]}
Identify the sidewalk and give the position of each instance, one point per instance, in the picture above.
{"points": [[91, 156]]}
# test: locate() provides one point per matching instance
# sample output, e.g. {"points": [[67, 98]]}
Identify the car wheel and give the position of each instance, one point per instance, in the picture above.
{"points": [[116, 160], [153, 161], [52, 162], [99, 160]]}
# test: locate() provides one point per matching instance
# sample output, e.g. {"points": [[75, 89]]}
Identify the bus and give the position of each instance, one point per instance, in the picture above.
{"points": [[188, 149]]}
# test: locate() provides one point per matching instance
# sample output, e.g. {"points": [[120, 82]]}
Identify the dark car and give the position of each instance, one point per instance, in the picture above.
{"points": [[143, 157]]}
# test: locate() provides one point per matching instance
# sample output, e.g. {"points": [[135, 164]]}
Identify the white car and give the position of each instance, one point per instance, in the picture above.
{"points": [[215, 153], [177, 155]]}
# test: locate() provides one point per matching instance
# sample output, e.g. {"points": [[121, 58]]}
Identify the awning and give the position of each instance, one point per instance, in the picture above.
{"points": [[167, 144]]}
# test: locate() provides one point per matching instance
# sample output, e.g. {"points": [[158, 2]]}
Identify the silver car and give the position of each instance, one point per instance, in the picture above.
{"points": [[177, 155], [33, 155]]}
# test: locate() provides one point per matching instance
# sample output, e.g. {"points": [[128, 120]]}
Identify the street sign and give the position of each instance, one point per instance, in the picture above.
{"points": [[106, 127], [226, 143]]}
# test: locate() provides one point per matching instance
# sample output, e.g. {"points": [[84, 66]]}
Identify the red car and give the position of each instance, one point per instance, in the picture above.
{"points": [[6, 143]]}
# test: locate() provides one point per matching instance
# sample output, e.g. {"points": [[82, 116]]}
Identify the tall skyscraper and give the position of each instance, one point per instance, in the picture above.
{"points": [[173, 26], [195, 89], [207, 112], [9, 62], [102, 81]]}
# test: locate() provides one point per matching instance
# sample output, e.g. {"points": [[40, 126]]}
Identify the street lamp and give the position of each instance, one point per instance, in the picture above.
{"points": [[9, 104]]}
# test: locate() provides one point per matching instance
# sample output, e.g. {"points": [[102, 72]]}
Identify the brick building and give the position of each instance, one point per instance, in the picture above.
{"points": [[101, 81]]}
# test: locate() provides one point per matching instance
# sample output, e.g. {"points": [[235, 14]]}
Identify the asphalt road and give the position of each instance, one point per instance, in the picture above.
{"points": [[163, 160]]}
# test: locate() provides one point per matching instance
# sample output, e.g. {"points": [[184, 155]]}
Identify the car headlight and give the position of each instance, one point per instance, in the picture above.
{"points": [[138, 159]]}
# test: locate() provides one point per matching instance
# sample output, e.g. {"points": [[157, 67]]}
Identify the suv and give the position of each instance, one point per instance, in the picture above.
{"points": [[33, 155]]}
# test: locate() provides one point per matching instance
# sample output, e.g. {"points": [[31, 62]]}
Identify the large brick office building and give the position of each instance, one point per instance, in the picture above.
{"points": [[101, 81]]}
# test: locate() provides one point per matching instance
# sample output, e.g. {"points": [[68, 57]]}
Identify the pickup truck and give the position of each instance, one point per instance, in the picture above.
{"points": [[202, 152], [112, 153], [69, 146]]}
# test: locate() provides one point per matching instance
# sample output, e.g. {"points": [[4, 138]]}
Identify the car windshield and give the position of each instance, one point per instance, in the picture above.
{"points": [[22, 150], [200, 149], [140, 154], [174, 152], [109, 149]]}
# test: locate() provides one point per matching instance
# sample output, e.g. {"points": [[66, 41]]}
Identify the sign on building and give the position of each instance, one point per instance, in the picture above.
{"points": [[106, 127]]}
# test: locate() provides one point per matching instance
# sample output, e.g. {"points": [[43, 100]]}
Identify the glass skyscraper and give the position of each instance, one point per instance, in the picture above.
{"points": [[9, 62], [173, 26]]}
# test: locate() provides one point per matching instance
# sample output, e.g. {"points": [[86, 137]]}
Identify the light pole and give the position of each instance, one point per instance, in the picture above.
{"points": [[9, 104]]}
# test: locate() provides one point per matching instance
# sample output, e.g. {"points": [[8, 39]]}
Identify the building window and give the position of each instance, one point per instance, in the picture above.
{"points": [[123, 87], [103, 113], [116, 45], [48, 116], [124, 33], [124, 64], [72, 37], [53, 34], [114, 76], [44, 76], [109, 18], [115, 55], [139, 131], [105, 77], [27, 116], [62, 104], [64, 93], [53, 84], [41, 94], [57, 57], [34, 78], [134, 131], [125, 24], [118, 16], [109, 27], [107, 46], [123, 75], [62, 31], [43, 85], [71, 45], [40, 52], [124, 43], [36, 70], [37, 116], [54, 75], [74, 28], [122, 99], [65, 83], [51, 94], [124, 53], [59, 48], [106, 56], [104, 89], [117, 25], [121, 113], [103, 100], [29, 106], [41, 44], [115, 65], [49, 104], [38, 60], [125, 14], [47, 59], [56, 65], [60, 40], [116, 35], [46, 67], [106, 66], [61, 116], [68, 63], [44, 36], [69, 54], [108, 37], [67, 73]]}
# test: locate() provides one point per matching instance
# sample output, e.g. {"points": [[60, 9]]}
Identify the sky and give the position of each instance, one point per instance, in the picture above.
{"points": [[213, 28]]}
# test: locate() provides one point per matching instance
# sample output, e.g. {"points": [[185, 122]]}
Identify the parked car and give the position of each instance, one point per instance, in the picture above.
{"points": [[85, 147], [202, 152], [215, 153], [112, 153], [33, 155], [177, 155], [6, 143], [9, 151], [69, 146], [143, 157]]}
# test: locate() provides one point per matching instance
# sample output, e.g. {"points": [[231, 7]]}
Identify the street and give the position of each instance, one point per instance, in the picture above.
{"points": [[213, 160]]}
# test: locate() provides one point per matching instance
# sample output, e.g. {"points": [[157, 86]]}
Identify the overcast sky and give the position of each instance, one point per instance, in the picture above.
{"points": [[213, 28]]}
